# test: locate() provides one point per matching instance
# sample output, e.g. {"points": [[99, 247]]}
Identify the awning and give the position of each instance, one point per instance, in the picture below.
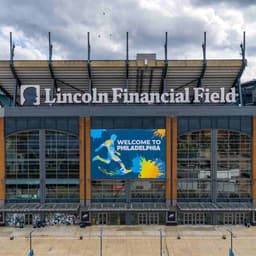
{"points": [[128, 207], [221, 207], [37, 207]]}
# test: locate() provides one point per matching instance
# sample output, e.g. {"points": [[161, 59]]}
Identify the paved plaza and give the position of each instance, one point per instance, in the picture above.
{"points": [[128, 240]]}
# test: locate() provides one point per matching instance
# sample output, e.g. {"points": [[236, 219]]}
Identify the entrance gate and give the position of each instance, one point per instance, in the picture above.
{"points": [[193, 218], [28, 219], [234, 218], [102, 218], [153, 218], [142, 218]]}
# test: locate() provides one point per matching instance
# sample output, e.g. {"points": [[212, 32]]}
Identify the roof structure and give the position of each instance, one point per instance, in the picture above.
{"points": [[72, 76], [145, 74]]}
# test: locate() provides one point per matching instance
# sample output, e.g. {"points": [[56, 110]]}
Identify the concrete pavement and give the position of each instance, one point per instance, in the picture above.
{"points": [[128, 240]]}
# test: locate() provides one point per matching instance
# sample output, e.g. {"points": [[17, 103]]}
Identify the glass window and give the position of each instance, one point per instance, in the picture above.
{"points": [[147, 190], [194, 188], [23, 162], [62, 155], [22, 155], [133, 190], [194, 165], [62, 191], [232, 171], [23, 192], [108, 189], [233, 165], [61, 162]]}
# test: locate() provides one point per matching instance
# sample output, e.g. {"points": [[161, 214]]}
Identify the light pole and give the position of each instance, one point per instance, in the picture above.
{"points": [[161, 242], [101, 235], [31, 252], [231, 253]]}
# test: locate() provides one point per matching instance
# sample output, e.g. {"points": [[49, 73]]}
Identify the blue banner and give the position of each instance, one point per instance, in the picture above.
{"points": [[127, 154]]}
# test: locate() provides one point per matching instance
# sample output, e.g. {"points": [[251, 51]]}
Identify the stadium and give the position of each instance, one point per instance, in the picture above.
{"points": [[127, 142]]}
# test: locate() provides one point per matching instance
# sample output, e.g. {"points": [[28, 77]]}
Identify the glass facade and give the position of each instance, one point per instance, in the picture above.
{"points": [[66, 191], [233, 165], [61, 166], [42, 155], [194, 165], [24, 192], [214, 165], [23, 164], [22, 155], [128, 190], [109, 190], [61, 156], [147, 190]]}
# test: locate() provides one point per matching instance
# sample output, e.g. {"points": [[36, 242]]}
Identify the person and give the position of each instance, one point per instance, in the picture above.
{"points": [[112, 154]]}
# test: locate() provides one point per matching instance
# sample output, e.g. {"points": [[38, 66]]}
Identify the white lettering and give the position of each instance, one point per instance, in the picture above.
{"points": [[186, 99], [117, 94], [215, 97], [48, 96], [77, 98], [86, 98], [231, 96], [198, 95], [164, 97]]}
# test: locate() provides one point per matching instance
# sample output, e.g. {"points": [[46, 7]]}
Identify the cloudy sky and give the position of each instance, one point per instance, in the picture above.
{"points": [[145, 20]]}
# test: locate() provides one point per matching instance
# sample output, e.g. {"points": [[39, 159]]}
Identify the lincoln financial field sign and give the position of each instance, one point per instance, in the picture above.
{"points": [[30, 96]]}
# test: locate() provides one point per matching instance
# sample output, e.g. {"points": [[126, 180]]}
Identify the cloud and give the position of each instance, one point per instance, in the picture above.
{"points": [[146, 21], [24, 48], [237, 3]]}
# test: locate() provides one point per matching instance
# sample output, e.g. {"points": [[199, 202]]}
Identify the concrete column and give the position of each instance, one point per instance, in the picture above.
{"points": [[254, 159], [88, 161], [42, 165], [2, 162], [214, 159], [82, 160], [168, 160], [174, 145]]}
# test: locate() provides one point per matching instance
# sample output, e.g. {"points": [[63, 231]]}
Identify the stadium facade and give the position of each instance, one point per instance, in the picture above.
{"points": [[142, 141]]}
